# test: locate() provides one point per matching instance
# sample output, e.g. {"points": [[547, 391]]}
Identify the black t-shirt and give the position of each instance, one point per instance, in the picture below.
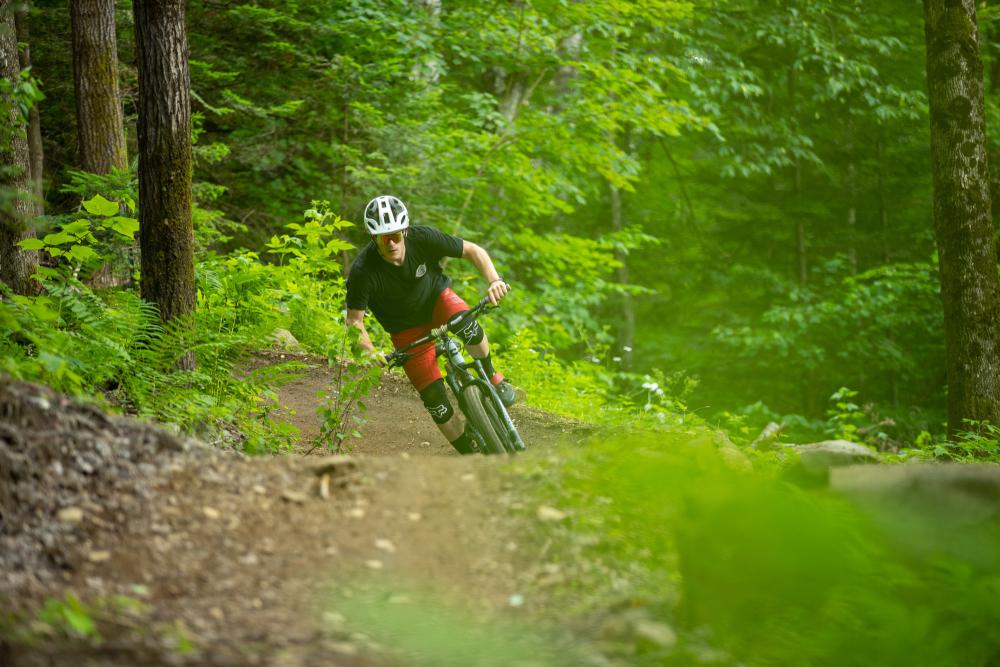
{"points": [[402, 297]]}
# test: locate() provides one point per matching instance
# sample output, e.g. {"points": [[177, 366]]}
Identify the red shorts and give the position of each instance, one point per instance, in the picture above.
{"points": [[422, 368]]}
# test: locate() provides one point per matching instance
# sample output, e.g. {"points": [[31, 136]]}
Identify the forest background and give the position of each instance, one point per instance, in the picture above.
{"points": [[718, 209], [717, 217]]}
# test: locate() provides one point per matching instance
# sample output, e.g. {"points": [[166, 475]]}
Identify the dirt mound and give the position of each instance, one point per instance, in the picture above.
{"points": [[67, 470]]}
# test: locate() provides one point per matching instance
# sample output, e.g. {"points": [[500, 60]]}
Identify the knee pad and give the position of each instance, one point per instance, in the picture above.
{"points": [[436, 401], [471, 333]]}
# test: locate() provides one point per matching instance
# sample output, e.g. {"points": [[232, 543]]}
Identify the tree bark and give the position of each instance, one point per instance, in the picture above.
{"points": [[99, 122], [35, 153], [16, 265], [970, 290], [166, 236]]}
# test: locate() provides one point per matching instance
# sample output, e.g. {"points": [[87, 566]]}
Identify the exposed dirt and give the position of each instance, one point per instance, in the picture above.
{"points": [[222, 559]]}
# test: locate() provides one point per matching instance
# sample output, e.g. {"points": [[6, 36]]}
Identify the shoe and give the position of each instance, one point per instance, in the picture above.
{"points": [[505, 390]]}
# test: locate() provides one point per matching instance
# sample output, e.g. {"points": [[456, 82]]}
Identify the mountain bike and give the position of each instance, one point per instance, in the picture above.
{"points": [[469, 383]]}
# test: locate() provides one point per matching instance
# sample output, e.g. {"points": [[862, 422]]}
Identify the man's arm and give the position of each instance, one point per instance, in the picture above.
{"points": [[356, 318], [481, 260]]}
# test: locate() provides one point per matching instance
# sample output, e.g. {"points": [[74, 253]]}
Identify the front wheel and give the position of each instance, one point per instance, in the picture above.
{"points": [[472, 404]]}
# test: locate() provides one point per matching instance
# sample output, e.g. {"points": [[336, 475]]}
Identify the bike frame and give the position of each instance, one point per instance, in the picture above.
{"points": [[460, 373]]}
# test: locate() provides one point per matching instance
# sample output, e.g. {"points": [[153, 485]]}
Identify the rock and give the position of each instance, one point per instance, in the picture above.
{"points": [[343, 648], [294, 497], [259, 489], [818, 457], [385, 545], [374, 564], [70, 515], [550, 514], [284, 340], [211, 512], [99, 556], [658, 634], [931, 508], [414, 516], [336, 464]]}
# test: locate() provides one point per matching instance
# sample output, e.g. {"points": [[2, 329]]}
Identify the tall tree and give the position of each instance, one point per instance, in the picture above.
{"points": [[963, 224], [35, 153], [166, 235], [95, 77], [16, 264]]}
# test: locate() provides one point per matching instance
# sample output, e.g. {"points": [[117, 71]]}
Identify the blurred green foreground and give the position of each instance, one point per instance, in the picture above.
{"points": [[673, 556]]}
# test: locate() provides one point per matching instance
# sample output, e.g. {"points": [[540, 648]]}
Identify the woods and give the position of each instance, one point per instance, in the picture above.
{"points": [[752, 251]]}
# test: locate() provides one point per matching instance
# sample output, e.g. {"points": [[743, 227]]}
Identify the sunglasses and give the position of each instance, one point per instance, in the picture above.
{"points": [[384, 239]]}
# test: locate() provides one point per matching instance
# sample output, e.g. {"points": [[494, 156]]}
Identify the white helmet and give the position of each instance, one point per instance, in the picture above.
{"points": [[386, 214]]}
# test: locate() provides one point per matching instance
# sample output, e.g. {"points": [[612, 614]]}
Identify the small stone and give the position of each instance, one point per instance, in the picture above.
{"points": [[546, 513], [343, 648], [356, 512], [658, 634], [331, 550], [257, 603], [99, 556], [294, 497], [385, 545], [405, 456], [250, 559], [334, 618], [259, 489], [211, 512], [70, 515], [515, 600], [414, 516], [468, 477], [217, 614], [373, 564]]}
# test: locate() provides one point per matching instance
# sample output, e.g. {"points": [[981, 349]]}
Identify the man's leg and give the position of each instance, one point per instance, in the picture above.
{"points": [[448, 420], [425, 376]]}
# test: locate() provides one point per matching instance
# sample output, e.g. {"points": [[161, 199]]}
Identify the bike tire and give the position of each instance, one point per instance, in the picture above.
{"points": [[475, 411], [499, 427]]}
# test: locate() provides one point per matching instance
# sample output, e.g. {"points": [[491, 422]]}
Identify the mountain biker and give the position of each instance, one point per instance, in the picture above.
{"points": [[398, 276]]}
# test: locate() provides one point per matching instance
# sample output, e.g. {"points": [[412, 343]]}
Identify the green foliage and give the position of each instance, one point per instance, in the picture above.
{"points": [[69, 616], [753, 571], [113, 346], [342, 411]]}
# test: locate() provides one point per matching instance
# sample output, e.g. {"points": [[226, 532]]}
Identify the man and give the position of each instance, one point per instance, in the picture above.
{"points": [[398, 276]]}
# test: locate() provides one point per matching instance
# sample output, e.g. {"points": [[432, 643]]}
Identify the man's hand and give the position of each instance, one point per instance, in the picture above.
{"points": [[497, 291]]}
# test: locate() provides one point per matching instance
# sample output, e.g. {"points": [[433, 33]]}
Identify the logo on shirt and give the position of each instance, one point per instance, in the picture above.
{"points": [[421, 270]]}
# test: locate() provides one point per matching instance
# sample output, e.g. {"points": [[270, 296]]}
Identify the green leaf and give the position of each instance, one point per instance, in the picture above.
{"points": [[98, 205], [32, 244], [127, 227], [82, 253], [58, 238], [77, 227]]}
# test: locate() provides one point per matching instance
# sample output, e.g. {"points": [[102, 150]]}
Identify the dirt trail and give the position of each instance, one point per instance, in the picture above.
{"points": [[241, 561]]}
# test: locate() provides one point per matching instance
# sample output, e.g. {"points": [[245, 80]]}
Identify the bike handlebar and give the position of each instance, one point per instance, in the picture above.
{"points": [[400, 356]]}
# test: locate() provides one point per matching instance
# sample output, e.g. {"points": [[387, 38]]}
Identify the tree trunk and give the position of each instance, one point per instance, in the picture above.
{"points": [[166, 235], [16, 265], [35, 153], [95, 79], [963, 226]]}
